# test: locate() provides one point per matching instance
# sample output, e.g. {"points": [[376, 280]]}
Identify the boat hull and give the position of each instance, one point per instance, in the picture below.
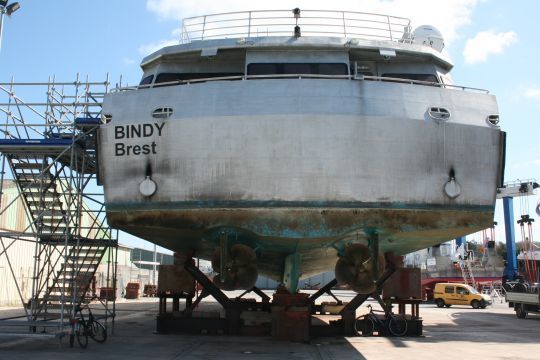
{"points": [[299, 167], [315, 234]]}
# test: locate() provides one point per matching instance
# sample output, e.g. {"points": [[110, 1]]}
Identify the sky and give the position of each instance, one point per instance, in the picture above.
{"points": [[492, 43]]}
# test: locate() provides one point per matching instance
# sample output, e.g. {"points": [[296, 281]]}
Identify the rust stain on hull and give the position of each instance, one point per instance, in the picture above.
{"points": [[315, 234]]}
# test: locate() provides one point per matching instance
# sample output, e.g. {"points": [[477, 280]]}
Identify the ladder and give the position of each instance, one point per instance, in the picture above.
{"points": [[495, 291], [467, 273], [40, 193]]}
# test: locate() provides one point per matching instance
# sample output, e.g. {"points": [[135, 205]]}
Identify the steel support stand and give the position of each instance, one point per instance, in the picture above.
{"points": [[232, 313], [326, 289], [207, 285], [233, 308], [265, 298]]}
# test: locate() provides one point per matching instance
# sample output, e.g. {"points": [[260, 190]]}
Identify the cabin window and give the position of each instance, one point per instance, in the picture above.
{"points": [[297, 68], [449, 289], [167, 77], [333, 69], [417, 77], [171, 77], [147, 80], [262, 69]]}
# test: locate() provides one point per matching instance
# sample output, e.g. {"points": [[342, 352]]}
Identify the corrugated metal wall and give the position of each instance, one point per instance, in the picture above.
{"points": [[20, 256], [19, 252]]}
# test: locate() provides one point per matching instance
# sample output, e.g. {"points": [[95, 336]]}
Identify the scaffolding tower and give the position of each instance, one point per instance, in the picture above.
{"points": [[49, 149]]}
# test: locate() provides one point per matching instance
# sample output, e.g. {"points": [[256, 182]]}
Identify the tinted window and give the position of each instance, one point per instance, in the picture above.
{"points": [[262, 69], [417, 77], [449, 289], [333, 69], [147, 80], [170, 77], [297, 68]]}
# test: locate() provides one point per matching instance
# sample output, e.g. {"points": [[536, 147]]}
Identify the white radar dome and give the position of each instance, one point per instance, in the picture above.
{"points": [[428, 35]]}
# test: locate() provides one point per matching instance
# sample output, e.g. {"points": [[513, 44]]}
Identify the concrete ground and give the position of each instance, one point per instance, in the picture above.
{"points": [[449, 333]]}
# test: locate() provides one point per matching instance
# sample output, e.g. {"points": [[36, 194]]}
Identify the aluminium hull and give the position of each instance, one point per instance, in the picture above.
{"points": [[300, 166]]}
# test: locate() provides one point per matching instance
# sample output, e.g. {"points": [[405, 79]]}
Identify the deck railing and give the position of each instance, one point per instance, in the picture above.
{"points": [[302, 76], [251, 24]]}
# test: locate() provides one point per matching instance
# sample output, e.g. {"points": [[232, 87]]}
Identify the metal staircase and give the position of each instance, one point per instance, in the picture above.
{"points": [[467, 273], [52, 209], [71, 283], [39, 191], [54, 164]]}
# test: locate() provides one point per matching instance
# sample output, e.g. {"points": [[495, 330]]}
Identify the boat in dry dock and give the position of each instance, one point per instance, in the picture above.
{"points": [[290, 143]]}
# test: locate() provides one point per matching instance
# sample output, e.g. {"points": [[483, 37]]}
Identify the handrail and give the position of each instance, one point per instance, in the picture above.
{"points": [[301, 76], [257, 23]]}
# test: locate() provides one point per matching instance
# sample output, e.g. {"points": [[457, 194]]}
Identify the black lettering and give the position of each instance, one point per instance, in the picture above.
{"points": [[148, 130], [159, 128], [146, 149], [135, 129], [119, 149], [119, 132]]}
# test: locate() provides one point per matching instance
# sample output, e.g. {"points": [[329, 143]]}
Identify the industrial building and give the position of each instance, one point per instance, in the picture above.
{"points": [[132, 263]]}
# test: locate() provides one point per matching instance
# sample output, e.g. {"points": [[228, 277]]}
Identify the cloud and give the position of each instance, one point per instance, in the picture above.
{"points": [[486, 43], [128, 61], [533, 93], [448, 16], [147, 49], [525, 164]]}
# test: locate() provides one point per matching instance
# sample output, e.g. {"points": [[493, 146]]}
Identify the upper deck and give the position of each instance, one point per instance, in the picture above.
{"points": [[296, 22], [306, 29], [269, 44]]}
